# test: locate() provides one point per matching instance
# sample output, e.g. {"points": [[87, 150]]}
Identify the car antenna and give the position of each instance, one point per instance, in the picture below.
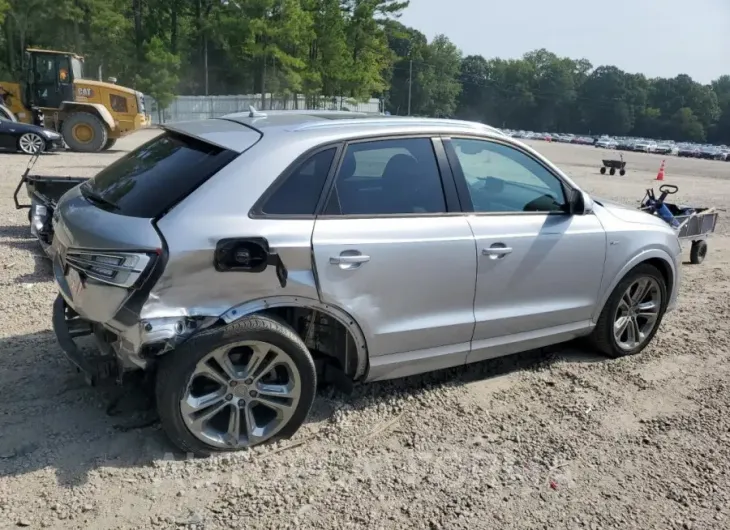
{"points": [[253, 113]]}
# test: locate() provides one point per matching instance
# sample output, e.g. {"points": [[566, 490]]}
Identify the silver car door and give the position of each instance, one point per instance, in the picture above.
{"points": [[387, 252], [539, 267]]}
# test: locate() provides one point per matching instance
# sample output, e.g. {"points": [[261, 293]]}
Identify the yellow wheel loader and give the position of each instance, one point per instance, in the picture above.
{"points": [[90, 115]]}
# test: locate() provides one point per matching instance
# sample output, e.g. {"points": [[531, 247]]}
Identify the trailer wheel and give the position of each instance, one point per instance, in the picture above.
{"points": [[698, 252], [603, 171], [622, 172], [84, 132], [612, 171]]}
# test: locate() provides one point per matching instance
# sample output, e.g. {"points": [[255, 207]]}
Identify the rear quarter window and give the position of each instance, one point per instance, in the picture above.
{"points": [[153, 178], [299, 193]]}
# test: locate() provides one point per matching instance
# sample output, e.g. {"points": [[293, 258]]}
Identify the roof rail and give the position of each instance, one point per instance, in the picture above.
{"points": [[323, 114], [395, 121]]}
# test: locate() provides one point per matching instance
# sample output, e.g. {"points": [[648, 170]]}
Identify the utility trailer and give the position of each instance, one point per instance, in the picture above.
{"points": [[44, 192], [693, 224]]}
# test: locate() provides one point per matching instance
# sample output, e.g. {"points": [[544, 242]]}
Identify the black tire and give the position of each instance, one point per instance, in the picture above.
{"points": [[612, 171], [698, 252], [603, 171], [177, 366], [622, 172], [109, 144], [602, 336], [99, 137]]}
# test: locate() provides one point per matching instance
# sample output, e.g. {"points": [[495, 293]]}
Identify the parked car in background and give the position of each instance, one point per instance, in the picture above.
{"points": [[606, 143], [645, 146], [625, 145], [255, 254], [710, 152], [666, 149], [24, 137], [690, 151]]}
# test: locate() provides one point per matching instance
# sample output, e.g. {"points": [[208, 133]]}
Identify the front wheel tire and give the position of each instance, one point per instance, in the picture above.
{"points": [[632, 314], [31, 143], [236, 386]]}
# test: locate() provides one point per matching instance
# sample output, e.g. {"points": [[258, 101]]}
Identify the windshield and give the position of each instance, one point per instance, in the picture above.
{"points": [[77, 67], [153, 178]]}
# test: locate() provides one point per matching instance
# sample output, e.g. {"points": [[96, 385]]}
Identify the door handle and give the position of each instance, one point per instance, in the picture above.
{"points": [[496, 251], [349, 259]]}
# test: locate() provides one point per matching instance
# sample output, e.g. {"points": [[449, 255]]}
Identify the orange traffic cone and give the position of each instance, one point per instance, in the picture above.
{"points": [[660, 175]]}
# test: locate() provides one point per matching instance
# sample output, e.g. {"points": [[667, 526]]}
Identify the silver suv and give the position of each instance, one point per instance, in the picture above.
{"points": [[246, 257]]}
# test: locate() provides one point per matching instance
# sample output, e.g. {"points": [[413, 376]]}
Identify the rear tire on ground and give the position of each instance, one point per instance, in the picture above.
{"points": [[205, 409], [698, 252], [612, 171], [109, 144], [603, 171], [84, 132], [622, 329]]}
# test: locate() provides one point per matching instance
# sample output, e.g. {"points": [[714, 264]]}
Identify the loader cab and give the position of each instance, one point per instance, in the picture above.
{"points": [[50, 76]]}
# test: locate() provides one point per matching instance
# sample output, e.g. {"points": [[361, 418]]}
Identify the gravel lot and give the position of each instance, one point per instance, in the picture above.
{"points": [[558, 439]]}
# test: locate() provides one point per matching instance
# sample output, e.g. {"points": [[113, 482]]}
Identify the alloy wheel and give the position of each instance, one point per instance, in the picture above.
{"points": [[637, 313], [31, 143], [241, 394]]}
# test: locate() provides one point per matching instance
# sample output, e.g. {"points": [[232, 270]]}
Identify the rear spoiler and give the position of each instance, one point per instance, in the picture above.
{"points": [[226, 134]]}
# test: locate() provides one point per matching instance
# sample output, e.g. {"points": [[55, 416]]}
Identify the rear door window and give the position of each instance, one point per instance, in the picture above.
{"points": [[153, 178], [388, 177]]}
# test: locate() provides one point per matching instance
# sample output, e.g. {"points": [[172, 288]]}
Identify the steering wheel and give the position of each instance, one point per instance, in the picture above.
{"points": [[669, 189]]}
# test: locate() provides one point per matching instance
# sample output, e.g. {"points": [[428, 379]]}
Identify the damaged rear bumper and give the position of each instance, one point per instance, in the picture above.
{"points": [[118, 351], [68, 326]]}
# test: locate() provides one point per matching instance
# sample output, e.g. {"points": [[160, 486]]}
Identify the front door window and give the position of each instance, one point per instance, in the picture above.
{"points": [[503, 179]]}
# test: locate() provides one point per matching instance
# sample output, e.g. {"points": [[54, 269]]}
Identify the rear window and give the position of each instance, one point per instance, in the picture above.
{"points": [[150, 180]]}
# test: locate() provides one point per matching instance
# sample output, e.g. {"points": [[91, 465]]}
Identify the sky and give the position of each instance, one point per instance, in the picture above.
{"points": [[659, 38]]}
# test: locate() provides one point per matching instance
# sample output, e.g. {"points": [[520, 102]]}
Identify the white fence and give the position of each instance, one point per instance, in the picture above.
{"points": [[186, 108]]}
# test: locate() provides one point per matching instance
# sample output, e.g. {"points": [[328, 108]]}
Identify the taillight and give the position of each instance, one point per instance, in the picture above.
{"points": [[122, 269]]}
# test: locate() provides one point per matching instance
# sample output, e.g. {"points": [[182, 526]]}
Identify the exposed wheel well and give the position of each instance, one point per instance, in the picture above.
{"points": [[665, 269], [326, 337]]}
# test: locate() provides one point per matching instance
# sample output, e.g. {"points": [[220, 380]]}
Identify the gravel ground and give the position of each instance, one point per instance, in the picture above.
{"points": [[558, 439]]}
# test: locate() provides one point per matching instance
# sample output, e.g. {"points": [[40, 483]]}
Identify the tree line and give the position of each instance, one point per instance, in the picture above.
{"points": [[354, 49]]}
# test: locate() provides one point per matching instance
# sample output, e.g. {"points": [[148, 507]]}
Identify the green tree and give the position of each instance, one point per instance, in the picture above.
{"points": [[409, 47], [604, 102], [328, 57], [440, 81], [685, 125], [368, 45], [476, 100], [336, 51], [159, 75]]}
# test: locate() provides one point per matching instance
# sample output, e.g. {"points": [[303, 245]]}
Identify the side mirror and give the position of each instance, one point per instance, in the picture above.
{"points": [[580, 203]]}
